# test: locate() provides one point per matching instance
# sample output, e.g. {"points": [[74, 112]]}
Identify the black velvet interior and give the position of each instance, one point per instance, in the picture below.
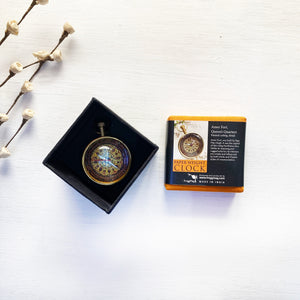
{"points": [[65, 158]]}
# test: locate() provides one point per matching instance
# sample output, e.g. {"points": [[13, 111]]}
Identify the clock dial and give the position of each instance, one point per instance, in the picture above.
{"points": [[106, 160], [191, 145]]}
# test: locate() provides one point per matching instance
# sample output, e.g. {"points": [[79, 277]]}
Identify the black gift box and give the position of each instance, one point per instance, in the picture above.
{"points": [[65, 159]]}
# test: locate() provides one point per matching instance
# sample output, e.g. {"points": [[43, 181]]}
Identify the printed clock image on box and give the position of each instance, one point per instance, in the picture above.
{"points": [[190, 146]]}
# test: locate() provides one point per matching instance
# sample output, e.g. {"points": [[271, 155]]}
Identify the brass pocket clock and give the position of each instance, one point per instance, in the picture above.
{"points": [[191, 144], [106, 160]]}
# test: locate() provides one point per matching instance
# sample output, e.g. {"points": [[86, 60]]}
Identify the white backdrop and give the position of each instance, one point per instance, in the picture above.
{"points": [[147, 60]]}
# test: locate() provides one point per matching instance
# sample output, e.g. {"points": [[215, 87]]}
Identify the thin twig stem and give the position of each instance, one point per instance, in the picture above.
{"points": [[41, 63], [63, 36], [33, 3], [22, 124], [34, 63], [14, 103], [5, 37], [7, 78], [21, 93], [61, 39], [13, 74], [37, 70]]}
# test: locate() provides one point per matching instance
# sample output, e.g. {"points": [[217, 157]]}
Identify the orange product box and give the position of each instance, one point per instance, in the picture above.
{"points": [[205, 154]]}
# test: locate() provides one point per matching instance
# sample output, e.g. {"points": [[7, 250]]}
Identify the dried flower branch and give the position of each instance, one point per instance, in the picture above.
{"points": [[14, 68], [68, 29], [12, 27], [27, 115], [42, 56]]}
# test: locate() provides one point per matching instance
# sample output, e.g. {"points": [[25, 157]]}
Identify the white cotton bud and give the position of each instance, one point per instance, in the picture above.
{"points": [[42, 2], [16, 67], [12, 27], [68, 28], [28, 114], [4, 152], [3, 118], [27, 87], [41, 55], [56, 55]]}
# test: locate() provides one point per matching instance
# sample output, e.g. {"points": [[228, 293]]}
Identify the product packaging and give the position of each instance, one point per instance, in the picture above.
{"points": [[205, 153], [69, 161]]}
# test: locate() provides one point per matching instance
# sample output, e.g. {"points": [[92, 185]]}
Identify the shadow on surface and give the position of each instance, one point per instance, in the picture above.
{"points": [[27, 130], [5, 167], [83, 207], [207, 204], [53, 68], [26, 100]]}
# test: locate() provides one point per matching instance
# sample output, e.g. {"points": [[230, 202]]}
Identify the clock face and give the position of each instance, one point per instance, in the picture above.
{"points": [[191, 145], [106, 160]]}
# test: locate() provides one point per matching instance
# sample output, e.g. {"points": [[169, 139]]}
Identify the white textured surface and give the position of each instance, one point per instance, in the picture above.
{"points": [[148, 60]]}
